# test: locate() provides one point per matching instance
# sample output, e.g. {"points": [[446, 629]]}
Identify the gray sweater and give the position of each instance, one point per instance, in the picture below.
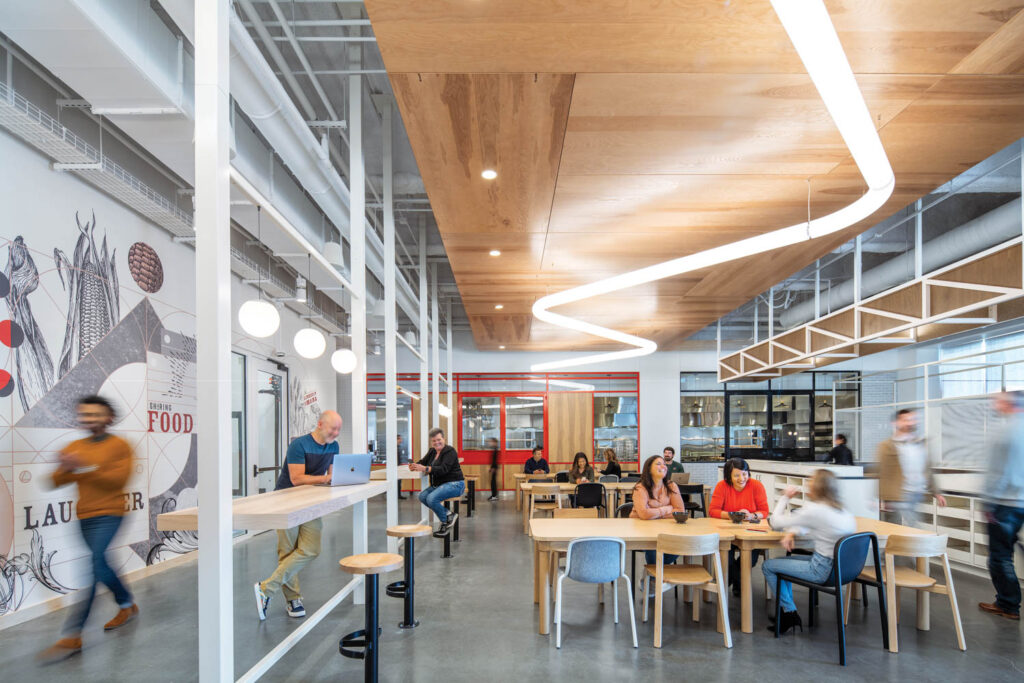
{"points": [[1004, 481]]}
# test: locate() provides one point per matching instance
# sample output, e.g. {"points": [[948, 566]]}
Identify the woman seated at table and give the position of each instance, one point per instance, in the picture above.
{"points": [[613, 466], [654, 497], [581, 473], [737, 492], [821, 519]]}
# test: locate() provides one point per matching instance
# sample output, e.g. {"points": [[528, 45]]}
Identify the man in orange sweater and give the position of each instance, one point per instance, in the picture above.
{"points": [[100, 464]]}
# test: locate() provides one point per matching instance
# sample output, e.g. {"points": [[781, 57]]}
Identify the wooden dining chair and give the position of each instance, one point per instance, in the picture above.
{"points": [[897, 577], [544, 490], [688, 575]]}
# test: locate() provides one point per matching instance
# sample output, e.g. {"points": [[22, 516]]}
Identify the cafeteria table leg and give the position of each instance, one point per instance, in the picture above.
{"points": [[519, 496], [536, 573], [746, 599], [544, 614], [526, 514], [923, 603]]}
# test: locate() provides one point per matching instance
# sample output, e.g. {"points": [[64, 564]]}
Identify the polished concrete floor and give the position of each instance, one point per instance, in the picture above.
{"points": [[479, 623]]}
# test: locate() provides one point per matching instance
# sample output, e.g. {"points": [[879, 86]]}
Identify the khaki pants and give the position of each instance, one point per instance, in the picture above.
{"points": [[296, 547]]}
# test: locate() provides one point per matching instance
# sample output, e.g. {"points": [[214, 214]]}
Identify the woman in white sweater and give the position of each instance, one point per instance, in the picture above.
{"points": [[821, 519]]}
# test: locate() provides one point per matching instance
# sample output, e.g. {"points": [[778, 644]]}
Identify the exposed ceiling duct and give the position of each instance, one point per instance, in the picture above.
{"points": [[998, 225]]}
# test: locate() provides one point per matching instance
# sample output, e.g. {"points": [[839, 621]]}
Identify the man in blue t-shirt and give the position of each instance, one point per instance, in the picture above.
{"points": [[309, 460]]}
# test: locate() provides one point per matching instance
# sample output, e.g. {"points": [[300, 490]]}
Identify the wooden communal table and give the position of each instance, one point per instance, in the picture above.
{"points": [[403, 473], [282, 509], [611, 493], [550, 535], [555, 534], [520, 477]]}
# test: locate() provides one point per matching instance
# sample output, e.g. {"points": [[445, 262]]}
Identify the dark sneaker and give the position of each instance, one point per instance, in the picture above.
{"points": [[993, 608], [59, 651], [295, 608], [492, 499], [125, 615], [262, 601]]}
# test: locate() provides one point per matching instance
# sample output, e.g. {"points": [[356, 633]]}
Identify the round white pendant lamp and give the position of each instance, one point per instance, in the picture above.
{"points": [[257, 317], [309, 343], [344, 361]]}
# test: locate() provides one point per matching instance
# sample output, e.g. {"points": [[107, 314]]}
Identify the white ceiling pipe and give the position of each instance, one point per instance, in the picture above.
{"points": [[263, 98], [997, 225]]}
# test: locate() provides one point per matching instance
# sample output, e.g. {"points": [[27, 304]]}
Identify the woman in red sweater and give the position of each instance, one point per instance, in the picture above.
{"points": [[737, 492]]}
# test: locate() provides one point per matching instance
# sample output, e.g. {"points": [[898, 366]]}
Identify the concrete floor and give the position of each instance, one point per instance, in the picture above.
{"points": [[478, 622]]}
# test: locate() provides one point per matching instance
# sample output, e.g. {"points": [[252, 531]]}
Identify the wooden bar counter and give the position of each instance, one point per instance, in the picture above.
{"points": [[282, 509]]}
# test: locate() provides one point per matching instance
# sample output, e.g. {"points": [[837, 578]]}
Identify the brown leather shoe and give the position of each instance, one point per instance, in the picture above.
{"points": [[125, 615], [993, 608], [59, 651]]}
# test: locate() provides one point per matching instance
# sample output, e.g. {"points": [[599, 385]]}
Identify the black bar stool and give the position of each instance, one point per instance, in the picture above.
{"points": [[453, 534], [363, 644], [471, 494], [405, 589]]}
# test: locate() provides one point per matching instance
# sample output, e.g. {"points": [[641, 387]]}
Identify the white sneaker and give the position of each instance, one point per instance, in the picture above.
{"points": [[262, 601]]}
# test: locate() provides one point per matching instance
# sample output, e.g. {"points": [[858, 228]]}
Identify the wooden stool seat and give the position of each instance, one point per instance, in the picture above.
{"points": [[409, 530], [682, 574], [459, 497], [546, 506], [906, 578], [371, 563]]}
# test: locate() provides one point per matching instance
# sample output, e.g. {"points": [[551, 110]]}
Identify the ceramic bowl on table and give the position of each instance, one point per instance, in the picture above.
{"points": [[681, 517], [738, 517]]}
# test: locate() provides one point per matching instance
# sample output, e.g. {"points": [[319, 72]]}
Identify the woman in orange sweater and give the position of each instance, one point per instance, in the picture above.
{"points": [[100, 465], [737, 492]]}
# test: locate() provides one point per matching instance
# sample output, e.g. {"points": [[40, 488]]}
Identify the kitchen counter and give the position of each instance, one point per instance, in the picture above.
{"points": [[803, 469]]}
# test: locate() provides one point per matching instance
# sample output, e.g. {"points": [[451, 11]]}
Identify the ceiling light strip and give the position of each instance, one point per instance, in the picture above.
{"points": [[810, 29]]}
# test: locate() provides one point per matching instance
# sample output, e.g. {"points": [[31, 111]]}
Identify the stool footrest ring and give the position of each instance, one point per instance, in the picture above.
{"points": [[397, 589], [353, 645]]}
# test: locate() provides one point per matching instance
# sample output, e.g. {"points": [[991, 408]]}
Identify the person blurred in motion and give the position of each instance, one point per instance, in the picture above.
{"points": [[737, 492], [1004, 494], [821, 519], [612, 465], [492, 446], [840, 453], [905, 471], [537, 463], [100, 466]]}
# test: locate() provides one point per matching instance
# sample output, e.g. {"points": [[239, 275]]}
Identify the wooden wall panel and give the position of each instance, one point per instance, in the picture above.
{"points": [[570, 426]]}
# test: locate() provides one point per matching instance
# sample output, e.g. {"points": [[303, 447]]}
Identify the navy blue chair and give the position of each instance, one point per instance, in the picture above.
{"points": [[848, 562], [562, 477]]}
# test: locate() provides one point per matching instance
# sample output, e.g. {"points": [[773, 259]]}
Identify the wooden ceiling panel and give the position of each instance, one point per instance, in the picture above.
{"points": [[461, 124], [628, 132]]}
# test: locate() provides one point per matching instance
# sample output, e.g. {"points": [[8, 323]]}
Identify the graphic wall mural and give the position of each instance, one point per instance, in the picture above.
{"points": [[95, 299], [85, 311]]}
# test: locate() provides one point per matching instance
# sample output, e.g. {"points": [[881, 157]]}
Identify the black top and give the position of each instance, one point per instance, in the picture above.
{"points": [[494, 457], [532, 465], [841, 455], [612, 468], [444, 467]]}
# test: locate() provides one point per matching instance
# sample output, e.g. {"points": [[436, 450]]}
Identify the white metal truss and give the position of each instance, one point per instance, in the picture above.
{"points": [[964, 294]]}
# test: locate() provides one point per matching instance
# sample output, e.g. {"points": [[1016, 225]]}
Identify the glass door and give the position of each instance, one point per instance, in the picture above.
{"points": [[524, 426], [267, 398], [747, 419], [792, 428]]}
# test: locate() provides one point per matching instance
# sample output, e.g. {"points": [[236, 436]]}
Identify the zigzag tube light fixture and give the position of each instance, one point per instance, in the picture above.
{"points": [[810, 29]]}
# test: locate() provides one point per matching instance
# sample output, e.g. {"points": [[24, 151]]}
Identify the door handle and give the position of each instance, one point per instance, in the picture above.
{"points": [[256, 470]]}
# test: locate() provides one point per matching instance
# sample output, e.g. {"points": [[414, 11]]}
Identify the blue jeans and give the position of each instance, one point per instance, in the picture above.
{"points": [[651, 557], [433, 495], [808, 567], [98, 532], [1004, 524]]}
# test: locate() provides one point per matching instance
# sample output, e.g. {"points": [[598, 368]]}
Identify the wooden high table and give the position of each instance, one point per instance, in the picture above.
{"points": [[285, 509], [555, 534]]}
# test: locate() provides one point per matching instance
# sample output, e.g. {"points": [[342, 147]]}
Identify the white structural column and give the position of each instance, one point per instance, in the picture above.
{"points": [[357, 248], [435, 360], [390, 330], [424, 345], [448, 367], [213, 340]]}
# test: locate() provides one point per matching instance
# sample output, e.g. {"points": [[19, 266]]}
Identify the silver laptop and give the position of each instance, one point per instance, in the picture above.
{"points": [[350, 469]]}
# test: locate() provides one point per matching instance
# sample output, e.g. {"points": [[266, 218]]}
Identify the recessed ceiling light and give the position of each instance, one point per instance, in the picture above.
{"points": [[498, 307], [489, 174], [502, 348], [495, 252]]}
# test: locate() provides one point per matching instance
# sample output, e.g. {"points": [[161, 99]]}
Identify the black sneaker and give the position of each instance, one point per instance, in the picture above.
{"points": [[492, 499], [262, 601], [295, 608]]}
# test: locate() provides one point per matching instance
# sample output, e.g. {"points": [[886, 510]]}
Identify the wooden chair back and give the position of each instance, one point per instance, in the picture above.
{"points": [[581, 513], [916, 545], [545, 489], [692, 546]]}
